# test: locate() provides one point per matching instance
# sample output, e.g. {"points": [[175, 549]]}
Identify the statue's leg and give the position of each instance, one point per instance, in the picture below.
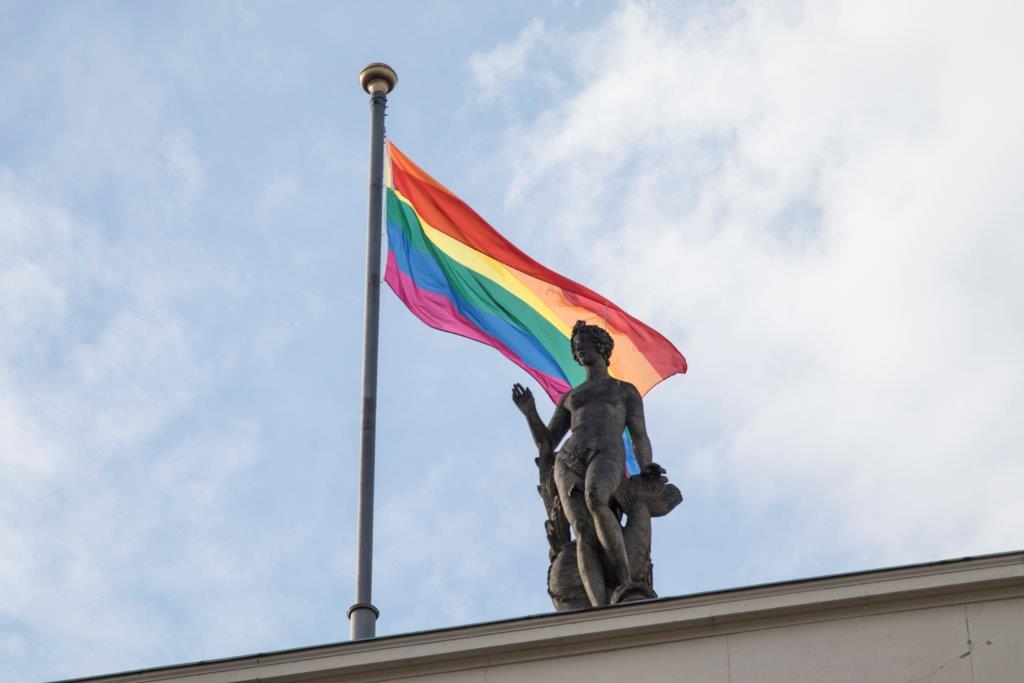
{"points": [[604, 474], [570, 492]]}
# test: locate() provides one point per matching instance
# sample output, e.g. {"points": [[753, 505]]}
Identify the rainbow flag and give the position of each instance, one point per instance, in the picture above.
{"points": [[457, 274]]}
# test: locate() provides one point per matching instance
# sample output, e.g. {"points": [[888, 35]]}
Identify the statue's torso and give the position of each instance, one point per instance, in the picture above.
{"points": [[597, 409]]}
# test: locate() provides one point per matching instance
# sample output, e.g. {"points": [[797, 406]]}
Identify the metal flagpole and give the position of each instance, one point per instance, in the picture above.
{"points": [[377, 80]]}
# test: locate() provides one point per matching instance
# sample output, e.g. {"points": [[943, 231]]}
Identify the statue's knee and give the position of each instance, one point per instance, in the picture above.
{"points": [[596, 500], [584, 530]]}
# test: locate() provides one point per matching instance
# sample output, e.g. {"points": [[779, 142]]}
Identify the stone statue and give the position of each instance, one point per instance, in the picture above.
{"points": [[584, 485]]}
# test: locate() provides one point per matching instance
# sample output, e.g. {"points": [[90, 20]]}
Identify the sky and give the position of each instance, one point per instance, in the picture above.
{"points": [[818, 202]]}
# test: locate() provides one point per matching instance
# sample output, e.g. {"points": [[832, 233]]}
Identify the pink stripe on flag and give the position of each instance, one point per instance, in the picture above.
{"points": [[438, 312]]}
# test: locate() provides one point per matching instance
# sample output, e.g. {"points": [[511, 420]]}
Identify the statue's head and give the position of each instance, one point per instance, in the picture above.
{"points": [[592, 336]]}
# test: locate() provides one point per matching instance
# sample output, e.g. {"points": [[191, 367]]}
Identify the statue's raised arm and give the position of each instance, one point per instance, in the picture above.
{"points": [[546, 437]]}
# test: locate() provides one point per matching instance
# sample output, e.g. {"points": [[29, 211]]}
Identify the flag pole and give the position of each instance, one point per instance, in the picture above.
{"points": [[377, 80]]}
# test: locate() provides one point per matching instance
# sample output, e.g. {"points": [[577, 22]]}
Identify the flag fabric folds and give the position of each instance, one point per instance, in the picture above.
{"points": [[458, 274]]}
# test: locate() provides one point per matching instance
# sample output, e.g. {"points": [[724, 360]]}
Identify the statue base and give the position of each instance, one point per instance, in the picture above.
{"points": [[631, 592]]}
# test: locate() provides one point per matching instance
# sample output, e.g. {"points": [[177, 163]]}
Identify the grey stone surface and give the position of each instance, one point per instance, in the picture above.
{"points": [[922, 645], [997, 639]]}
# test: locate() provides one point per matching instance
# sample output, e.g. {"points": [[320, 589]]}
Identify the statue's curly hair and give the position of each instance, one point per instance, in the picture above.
{"points": [[601, 339]]}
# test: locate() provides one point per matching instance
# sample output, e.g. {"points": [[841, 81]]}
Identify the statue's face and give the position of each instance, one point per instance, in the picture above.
{"points": [[585, 349]]}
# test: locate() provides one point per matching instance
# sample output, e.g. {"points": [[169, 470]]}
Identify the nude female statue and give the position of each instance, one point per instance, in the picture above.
{"points": [[591, 464]]}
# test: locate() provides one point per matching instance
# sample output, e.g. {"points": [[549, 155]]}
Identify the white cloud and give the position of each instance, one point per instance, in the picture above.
{"points": [[183, 165], [818, 203], [102, 501], [32, 298], [454, 548], [501, 67], [279, 192]]}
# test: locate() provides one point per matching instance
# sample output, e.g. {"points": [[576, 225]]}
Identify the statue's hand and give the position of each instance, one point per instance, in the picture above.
{"points": [[523, 398], [653, 470]]}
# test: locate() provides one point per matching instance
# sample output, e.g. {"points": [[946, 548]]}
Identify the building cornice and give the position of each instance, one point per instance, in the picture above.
{"points": [[977, 579]]}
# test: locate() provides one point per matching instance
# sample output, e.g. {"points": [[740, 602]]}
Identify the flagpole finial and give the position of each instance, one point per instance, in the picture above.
{"points": [[378, 77]]}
